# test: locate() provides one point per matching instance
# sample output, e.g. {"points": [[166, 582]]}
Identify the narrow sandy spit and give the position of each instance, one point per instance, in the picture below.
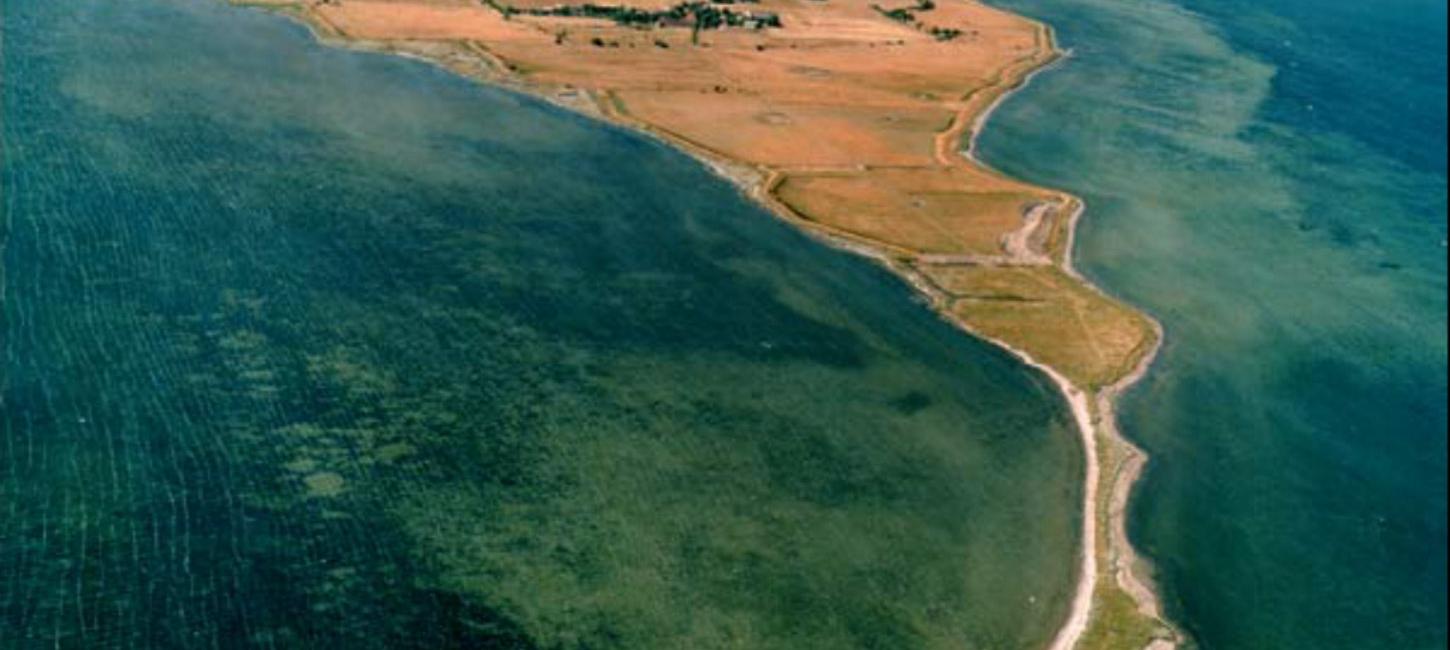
{"points": [[1094, 415], [1081, 612], [1091, 429]]}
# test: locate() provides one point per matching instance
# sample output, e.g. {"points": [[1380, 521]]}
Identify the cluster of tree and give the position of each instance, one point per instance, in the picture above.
{"points": [[709, 17], [944, 33], [906, 15], [901, 15], [704, 14], [621, 15]]}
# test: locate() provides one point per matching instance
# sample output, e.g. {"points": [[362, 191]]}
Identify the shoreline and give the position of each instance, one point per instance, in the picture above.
{"points": [[1094, 414], [1059, 56]]}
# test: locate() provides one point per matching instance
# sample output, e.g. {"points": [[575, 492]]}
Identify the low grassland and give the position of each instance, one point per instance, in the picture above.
{"points": [[1091, 339], [928, 210]]}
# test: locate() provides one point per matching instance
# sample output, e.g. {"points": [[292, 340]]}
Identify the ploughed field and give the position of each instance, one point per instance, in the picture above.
{"points": [[848, 114]]}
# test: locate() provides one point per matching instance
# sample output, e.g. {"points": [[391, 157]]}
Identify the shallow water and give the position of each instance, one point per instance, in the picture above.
{"points": [[1268, 178], [312, 348]]}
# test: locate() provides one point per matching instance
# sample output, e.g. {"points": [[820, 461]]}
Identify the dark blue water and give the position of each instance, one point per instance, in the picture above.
{"points": [[305, 348], [1269, 179]]}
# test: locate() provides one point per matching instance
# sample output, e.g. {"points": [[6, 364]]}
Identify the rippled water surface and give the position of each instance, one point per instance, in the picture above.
{"points": [[308, 348], [1269, 179]]}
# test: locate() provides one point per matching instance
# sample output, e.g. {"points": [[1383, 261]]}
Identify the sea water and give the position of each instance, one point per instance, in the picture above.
{"points": [[310, 348], [1268, 179]]}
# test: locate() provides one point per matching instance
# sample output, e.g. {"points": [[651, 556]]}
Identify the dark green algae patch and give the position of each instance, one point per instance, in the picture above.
{"points": [[312, 348]]}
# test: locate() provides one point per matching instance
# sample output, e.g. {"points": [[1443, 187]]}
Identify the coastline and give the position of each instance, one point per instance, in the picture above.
{"points": [[1107, 490]]}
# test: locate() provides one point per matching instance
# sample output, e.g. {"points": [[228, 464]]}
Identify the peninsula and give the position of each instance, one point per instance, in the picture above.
{"points": [[854, 120]]}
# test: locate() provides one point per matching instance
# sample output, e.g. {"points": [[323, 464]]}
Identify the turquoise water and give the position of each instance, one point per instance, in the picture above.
{"points": [[1268, 178], [306, 348]]}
